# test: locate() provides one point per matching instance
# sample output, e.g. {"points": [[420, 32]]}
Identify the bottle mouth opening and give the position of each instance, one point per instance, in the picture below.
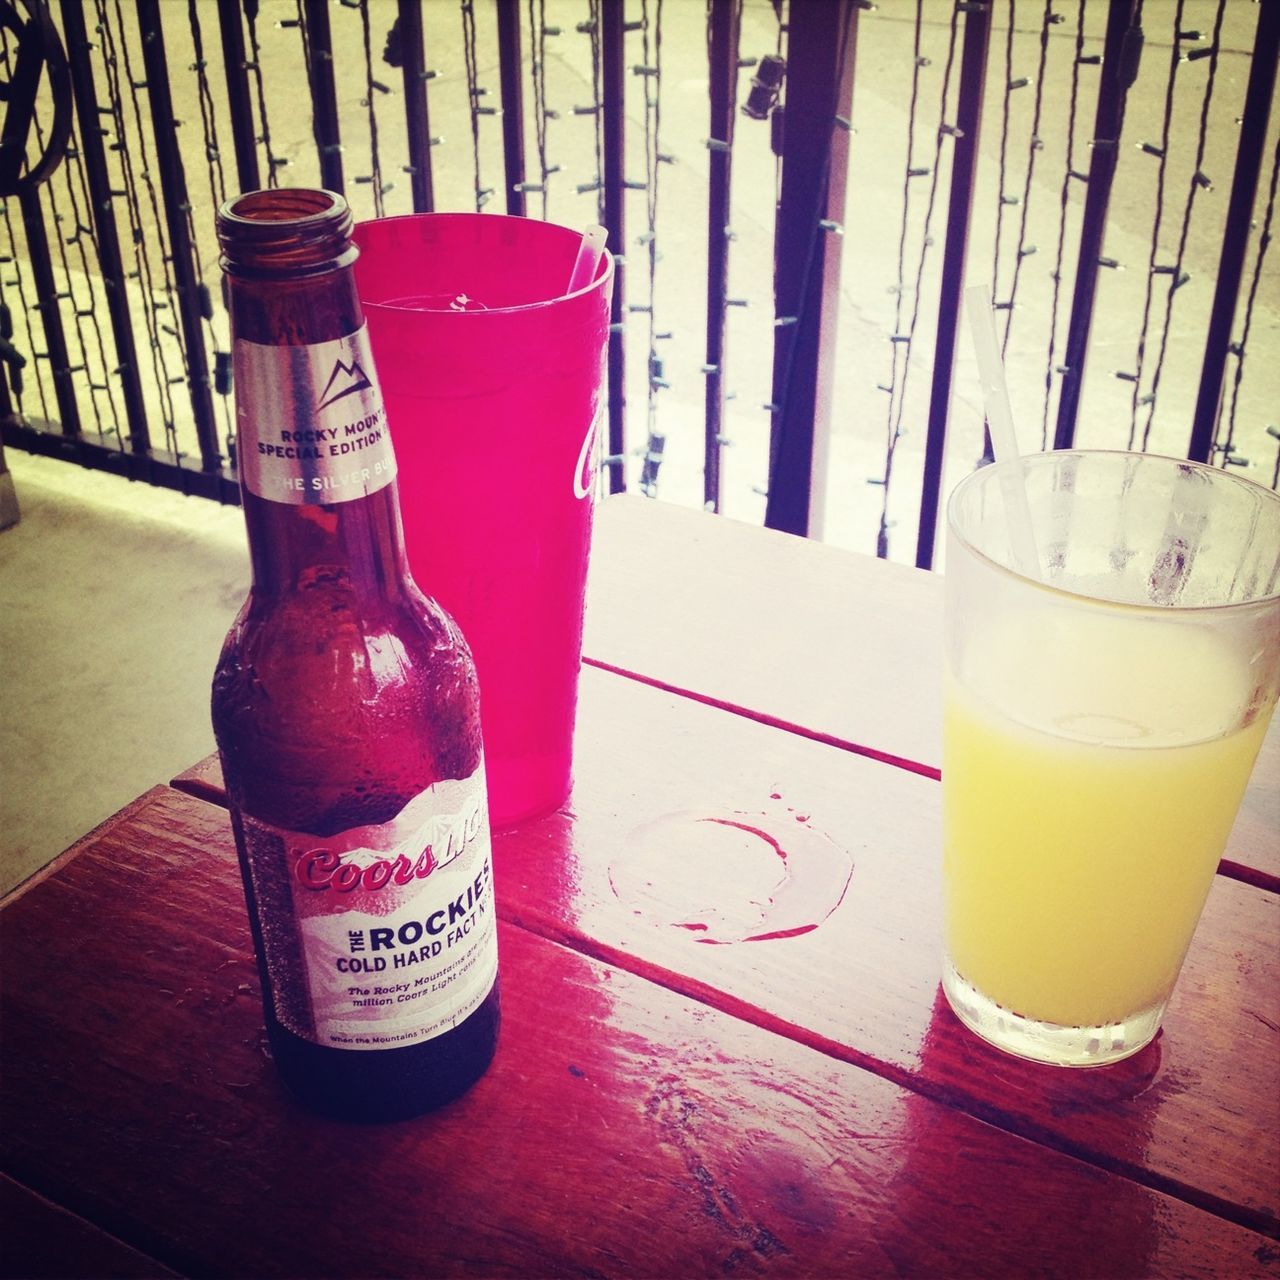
{"points": [[282, 205], [285, 229]]}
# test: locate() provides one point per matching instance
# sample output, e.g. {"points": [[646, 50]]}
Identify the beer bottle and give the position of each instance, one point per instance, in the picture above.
{"points": [[345, 705]]}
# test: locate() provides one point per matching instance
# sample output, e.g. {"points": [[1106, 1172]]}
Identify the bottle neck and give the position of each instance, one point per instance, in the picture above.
{"points": [[290, 547], [289, 359]]}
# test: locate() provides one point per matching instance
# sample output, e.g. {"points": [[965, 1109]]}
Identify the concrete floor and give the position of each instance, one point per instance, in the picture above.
{"points": [[94, 706]]}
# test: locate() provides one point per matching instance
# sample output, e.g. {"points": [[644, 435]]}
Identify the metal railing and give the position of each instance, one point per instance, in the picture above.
{"points": [[127, 124]]}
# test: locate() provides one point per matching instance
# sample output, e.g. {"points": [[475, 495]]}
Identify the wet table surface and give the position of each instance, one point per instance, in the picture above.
{"points": [[708, 1065]]}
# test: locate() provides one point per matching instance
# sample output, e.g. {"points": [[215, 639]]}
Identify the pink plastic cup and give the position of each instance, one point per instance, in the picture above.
{"points": [[495, 392]]}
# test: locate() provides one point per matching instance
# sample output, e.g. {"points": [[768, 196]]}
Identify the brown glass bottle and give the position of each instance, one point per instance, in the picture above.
{"points": [[345, 705]]}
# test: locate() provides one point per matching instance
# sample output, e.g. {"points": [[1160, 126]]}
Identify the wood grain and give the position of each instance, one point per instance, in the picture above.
{"points": [[811, 636], [203, 780], [1253, 848], [54, 865], [864, 985], [818, 641], [815, 639], [44, 1242], [623, 1129]]}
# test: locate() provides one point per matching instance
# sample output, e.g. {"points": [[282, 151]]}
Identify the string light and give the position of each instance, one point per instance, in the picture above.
{"points": [[1240, 347], [1177, 277], [1070, 174], [1012, 84], [650, 73], [903, 334], [116, 59], [475, 92], [217, 194], [131, 199]]}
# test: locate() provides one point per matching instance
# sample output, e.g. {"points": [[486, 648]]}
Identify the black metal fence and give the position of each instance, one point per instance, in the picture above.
{"points": [[797, 193]]}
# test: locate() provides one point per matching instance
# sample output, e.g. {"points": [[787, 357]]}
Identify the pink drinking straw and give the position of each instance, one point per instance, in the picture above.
{"points": [[589, 251]]}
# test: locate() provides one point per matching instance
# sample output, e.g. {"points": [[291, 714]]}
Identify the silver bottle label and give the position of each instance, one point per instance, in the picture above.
{"points": [[312, 427]]}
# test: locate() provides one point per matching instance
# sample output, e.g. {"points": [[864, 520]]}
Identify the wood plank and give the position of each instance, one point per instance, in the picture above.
{"points": [[42, 1241], [1252, 854], [203, 780], [54, 865], [837, 644], [864, 985], [1253, 848], [1177, 1114], [823, 641], [623, 1130]]}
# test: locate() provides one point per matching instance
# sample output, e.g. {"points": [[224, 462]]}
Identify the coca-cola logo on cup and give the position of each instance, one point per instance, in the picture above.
{"points": [[584, 472]]}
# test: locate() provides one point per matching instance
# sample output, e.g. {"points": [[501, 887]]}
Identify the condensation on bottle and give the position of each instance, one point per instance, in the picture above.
{"points": [[345, 705]]}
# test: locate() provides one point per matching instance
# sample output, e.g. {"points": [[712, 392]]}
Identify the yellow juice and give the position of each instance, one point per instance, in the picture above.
{"points": [[1091, 776]]}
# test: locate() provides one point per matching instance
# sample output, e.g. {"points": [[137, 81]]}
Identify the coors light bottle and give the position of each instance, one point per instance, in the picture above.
{"points": [[345, 705]]}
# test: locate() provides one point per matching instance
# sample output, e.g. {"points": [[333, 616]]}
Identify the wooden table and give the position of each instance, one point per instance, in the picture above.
{"points": [[669, 1098]]}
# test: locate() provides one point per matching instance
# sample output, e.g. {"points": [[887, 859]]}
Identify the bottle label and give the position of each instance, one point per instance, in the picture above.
{"points": [[311, 425], [382, 935]]}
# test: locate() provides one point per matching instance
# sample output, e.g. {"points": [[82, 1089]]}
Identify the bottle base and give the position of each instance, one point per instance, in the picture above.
{"points": [[383, 1085], [1048, 1042]]}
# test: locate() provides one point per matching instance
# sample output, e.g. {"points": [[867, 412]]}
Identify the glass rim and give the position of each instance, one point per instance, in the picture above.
{"points": [[372, 228], [984, 473]]}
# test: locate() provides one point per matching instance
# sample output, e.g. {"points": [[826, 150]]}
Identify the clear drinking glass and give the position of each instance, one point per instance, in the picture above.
{"points": [[1103, 714]]}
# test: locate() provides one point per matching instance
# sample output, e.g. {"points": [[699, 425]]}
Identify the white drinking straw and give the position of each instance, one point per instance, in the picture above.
{"points": [[589, 251], [995, 396]]}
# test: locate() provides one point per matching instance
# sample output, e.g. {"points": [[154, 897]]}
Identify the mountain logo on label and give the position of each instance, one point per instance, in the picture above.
{"points": [[345, 380]]}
